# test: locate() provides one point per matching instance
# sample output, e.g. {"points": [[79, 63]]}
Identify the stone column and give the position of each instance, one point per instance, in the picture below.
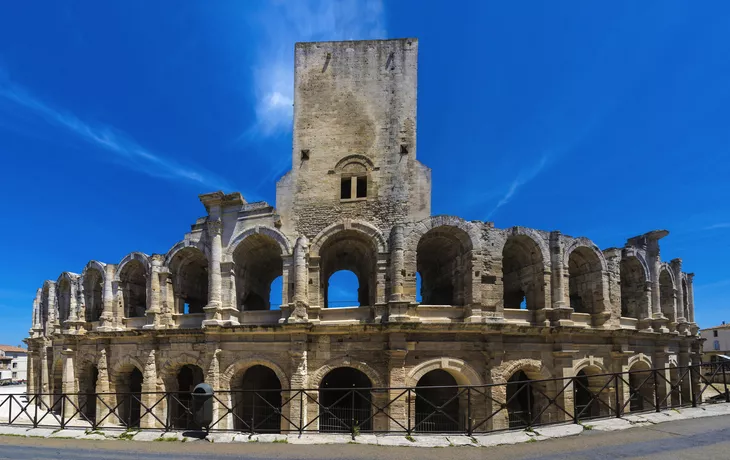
{"points": [[561, 314], [37, 327], [691, 297], [149, 386], [299, 311], [215, 313], [297, 412], [72, 322], [213, 379], [398, 265], [52, 325], [679, 304], [684, 360], [68, 385], [103, 415], [153, 303], [106, 322], [398, 408], [663, 376], [45, 378]]}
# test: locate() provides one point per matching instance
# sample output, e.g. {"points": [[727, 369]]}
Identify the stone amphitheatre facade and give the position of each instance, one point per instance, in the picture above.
{"points": [[493, 302]]}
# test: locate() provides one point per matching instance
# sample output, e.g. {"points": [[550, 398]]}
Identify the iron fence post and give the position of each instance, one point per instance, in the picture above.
{"points": [[656, 390], [529, 405], [617, 399], [575, 407], [408, 403], [63, 411], [692, 386], [10, 409], [35, 414], [724, 382], [301, 411], [468, 410]]}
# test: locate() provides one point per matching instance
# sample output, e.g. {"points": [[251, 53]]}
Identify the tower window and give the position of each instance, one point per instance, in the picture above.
{"points": [[362, 187], [353, 187], [346, 188]]}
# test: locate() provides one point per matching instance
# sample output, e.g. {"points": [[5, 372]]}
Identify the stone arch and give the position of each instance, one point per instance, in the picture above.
{"points": [[590, 361], [316, 378], [240, 367], [168, 371], [634, 279], [667, 288], [424, 226], [462, 372], [367, 230], [181, 245], [584, 243], [356, 158], [138, 256], [258, 256], [533, 368], [91, 284], [264, 230], [188, 268], [125, 363], [66, 293], [48, 304], [639, 359], [525, 262], [586, 268]]}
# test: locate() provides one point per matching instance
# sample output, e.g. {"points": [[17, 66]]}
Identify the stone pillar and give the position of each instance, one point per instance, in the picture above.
{"points": [[398, 408], [684, 360], [37, 327], [563, 365], [679, 304], [299, 403], [45, 378], [150, 394], [398, 264], [153, 302], [300, 309], [212, 378], [659, 321], [68, 383], [72, 323], [107, 320], [104, 417], [216, 314], [52, 324], [691, 297], [663, 376], [561, 311]]}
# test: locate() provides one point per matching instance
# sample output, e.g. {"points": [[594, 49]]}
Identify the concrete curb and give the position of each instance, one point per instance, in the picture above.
{"points": [[399, 440]]}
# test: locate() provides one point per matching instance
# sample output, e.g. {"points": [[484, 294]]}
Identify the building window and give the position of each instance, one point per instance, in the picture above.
{"points": [[353, 187], [716, 345], [15, 365], [714, 333], [15, 375]]}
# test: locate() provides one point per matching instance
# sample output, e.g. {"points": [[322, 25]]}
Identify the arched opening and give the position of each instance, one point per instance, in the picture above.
{"points": [[585, 279], [676, 386], [444, 263], [633, 288], [188, 377], [87, 392], [189, 269], [133, 283], [257, 398], [343, 289], [128, 387], [685, 300], [57, 387], [258, 263], [44, 308], [344, 397], [351, 251], [437, 403], [523, 274], [666, 296], [63, 291], [275, 293], [520, 400], [641, 387], [93, 281], [590, 393]]}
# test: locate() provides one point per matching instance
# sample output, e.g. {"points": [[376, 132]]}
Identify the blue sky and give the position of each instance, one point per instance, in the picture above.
{"points": [[598, 119]]}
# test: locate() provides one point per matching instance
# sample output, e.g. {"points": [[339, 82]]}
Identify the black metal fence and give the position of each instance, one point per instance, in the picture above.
{"points": [[432, 409]]}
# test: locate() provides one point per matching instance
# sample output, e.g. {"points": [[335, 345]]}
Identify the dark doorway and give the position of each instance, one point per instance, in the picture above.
{"points": [[188, 378], [437, 403], [344, 398], [129, 397], [87, 398], [585, 405], [520, 400], [259, 401]]}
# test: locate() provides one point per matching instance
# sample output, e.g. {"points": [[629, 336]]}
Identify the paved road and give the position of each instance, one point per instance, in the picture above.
{"points": [[705, 438]]}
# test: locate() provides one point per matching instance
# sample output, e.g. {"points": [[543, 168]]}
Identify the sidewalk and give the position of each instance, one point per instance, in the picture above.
{"points": [[478, 440]]}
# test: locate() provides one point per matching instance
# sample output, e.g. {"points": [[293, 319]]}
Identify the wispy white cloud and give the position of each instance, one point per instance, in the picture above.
{"points": [[717, 226], [284, 23], [524, 177], [121, 148]]}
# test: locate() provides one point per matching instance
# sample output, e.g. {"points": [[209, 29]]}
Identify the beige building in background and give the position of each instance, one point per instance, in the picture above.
{"points": [[716, 345], [496, 303]]}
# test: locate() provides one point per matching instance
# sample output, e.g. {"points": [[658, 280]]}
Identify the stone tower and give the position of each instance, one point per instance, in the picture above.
{"points": [[354, 140]]}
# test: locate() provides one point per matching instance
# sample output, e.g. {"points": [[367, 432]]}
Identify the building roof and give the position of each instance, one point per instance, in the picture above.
{"points": [[721, 326], [11, 349]]}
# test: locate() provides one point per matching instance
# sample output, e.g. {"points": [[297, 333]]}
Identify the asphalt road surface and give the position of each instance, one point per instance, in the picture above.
{"points": [[705, 438]]}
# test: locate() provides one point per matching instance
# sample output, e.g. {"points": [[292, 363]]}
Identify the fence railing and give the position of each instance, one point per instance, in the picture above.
{"points": [[420, 409]]}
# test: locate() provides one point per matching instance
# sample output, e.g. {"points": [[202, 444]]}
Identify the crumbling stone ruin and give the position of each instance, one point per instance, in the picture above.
{"points": [[496, 304]]}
